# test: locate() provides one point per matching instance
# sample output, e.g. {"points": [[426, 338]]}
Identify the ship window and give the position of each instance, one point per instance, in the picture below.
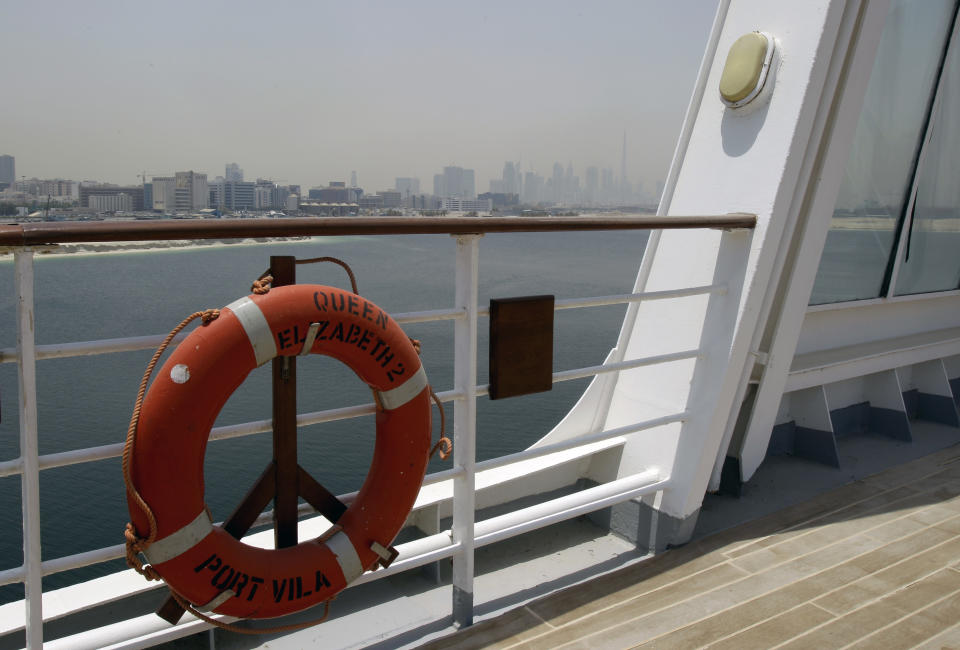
{"points": [[856, 259], [931, 251]]}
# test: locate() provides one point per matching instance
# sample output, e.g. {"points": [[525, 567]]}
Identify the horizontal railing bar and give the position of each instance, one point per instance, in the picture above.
{"points": [[488, 531], [579, 441], [10, 576], [65, 458], [11, 467], [149, 342], [424, 551], [624, 298], [79, 560], [306, 509], [566, 507], [34, 234], [89, 348], [600, 301], [430, 315], [590, 371], [89, 454], [152, 341]]}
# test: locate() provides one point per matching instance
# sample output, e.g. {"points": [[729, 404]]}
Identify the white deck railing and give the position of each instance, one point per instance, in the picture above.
{"points": [[459, 542]]}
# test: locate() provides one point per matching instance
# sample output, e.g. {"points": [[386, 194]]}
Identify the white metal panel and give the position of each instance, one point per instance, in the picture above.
{"points": [[876, 320], [848, 72], [883, 391]]}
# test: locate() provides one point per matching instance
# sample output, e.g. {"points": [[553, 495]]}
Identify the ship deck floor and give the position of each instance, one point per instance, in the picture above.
{"points": [[874, 563]]}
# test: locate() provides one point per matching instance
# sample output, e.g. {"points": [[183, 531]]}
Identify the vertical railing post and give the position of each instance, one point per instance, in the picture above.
{"points": [[30, 476], [465, 425]]}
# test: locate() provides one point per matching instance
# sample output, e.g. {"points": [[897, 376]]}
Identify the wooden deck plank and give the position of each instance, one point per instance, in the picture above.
{"points": [[860, 565], [895, 577], [927, 624], [877, 615]]}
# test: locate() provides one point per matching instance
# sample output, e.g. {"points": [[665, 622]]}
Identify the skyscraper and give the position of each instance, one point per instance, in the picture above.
{"points": [[407, 186], [592, 194], [233, 174], [625, 189], [455, 183], [623, 161], [511, 178], [8, 170], [532, 188]]}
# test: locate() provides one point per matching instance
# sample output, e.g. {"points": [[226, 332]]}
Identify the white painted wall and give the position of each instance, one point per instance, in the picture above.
{"points": [[826, 327]]}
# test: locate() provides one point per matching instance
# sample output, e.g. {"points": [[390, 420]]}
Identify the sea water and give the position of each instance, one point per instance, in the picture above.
{"points": [[86, 401]]}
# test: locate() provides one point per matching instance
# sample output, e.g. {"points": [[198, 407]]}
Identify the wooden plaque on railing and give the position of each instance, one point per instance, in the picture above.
{"points": [[521, 346]]}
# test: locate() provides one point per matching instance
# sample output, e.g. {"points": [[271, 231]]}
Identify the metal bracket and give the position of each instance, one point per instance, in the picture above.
{"points": [[387, 555]]}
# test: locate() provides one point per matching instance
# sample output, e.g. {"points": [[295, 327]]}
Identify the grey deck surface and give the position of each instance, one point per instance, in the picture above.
{"points": [[872, 564]]}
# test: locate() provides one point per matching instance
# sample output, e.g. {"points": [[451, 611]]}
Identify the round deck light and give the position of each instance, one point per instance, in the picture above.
{"points": [[746, 69]]}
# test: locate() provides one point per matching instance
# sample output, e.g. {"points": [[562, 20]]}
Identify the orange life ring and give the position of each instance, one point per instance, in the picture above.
{"points": [[202, 562]]}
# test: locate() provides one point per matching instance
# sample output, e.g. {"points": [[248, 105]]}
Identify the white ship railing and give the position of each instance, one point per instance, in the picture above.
{"points": [[465, 534]]}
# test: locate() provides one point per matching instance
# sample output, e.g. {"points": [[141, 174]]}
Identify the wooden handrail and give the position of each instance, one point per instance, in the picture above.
{"points": [[62, 232]]}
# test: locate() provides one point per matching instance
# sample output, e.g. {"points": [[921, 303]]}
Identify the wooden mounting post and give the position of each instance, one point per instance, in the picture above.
{"points": [[284, 272]]}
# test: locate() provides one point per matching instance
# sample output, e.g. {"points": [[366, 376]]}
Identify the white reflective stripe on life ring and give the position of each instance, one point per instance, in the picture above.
{"points": [[164, 550], [218, 600], [257, 329], [346, 556], [397, 397]]}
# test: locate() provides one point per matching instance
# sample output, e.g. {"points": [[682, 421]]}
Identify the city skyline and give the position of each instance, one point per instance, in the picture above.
{"points": [[600, 186], [395, 91]]}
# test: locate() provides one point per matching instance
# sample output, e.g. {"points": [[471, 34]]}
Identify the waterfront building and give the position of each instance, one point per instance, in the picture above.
{"points": [[53, 187], [391, 198], [371, 202], [466, 205], [233, 195], [111, 202], [192, 192], [336, 192], [135, 193], [500, 199], [164, 194], [8, 170], [319, 209], [262, 197], [422, 202]]}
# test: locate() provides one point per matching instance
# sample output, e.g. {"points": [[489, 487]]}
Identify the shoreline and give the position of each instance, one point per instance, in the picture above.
{"points": [[107, 248]]}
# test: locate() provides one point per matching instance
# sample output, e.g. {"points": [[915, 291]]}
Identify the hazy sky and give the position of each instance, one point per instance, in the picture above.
{"points": [[306, 92]]}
